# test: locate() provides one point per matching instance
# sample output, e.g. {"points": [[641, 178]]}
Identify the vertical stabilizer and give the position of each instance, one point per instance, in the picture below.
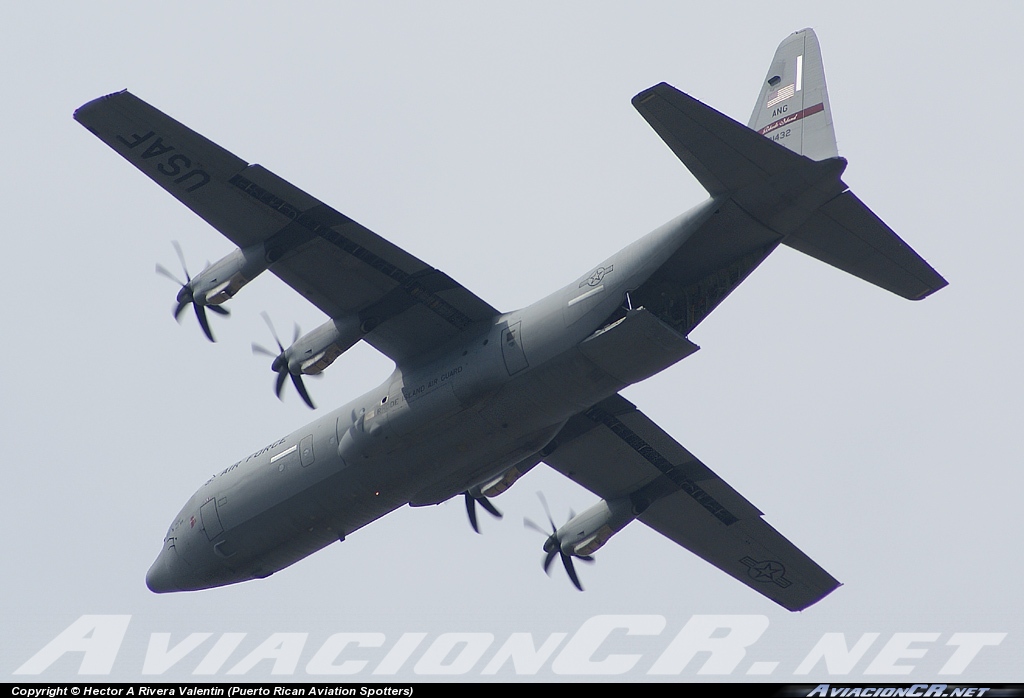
{"points": [[793, 108]]}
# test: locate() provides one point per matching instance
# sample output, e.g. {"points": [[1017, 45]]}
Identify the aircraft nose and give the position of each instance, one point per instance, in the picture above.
{"points": [[162, 576]]}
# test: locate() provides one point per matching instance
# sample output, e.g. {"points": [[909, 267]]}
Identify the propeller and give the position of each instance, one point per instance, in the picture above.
{"points": [[471, 502], [280, 365], [186, 295], [553, 546]]}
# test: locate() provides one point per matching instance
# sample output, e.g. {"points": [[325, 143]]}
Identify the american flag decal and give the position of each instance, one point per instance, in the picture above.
{"points": [[779, 95]]}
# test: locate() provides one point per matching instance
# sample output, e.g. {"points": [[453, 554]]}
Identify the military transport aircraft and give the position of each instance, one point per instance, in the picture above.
{"points": [[478, 397]]}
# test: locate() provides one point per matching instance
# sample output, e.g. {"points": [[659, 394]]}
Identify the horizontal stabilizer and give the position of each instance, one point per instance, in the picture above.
{"points": [[724, 155], [848, 235]]}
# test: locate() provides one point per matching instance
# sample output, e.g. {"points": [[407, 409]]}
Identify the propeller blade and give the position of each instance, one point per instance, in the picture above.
{"points": [[282, 376], [547, 510], [301, 387], [273, 332], [179, 309], [203, 322], [548, 559], [219, 310], [471, 511], [162, 270], [491, 509], [471, 502], [181, 258], [531, 525], [571, 571], [257, 349]]}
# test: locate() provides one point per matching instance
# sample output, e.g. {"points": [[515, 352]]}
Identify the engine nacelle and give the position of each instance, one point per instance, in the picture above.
{"points": [[587, 532], [221, 281], [315, 351]]}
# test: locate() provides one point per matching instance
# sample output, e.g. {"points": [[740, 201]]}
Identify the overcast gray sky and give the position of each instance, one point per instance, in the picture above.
{"points": [[498, 143]]}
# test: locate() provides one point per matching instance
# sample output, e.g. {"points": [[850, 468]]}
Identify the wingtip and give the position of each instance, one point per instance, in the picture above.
{"points": [[88, 106], [940, 284], [647, 94]]}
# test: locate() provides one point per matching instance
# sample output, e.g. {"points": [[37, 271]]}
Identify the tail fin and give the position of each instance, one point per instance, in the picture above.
{"points": [[793, 108]]}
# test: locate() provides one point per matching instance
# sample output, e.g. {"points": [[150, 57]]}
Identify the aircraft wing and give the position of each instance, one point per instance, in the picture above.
{"points": [[337, 264], [614, 450]]}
